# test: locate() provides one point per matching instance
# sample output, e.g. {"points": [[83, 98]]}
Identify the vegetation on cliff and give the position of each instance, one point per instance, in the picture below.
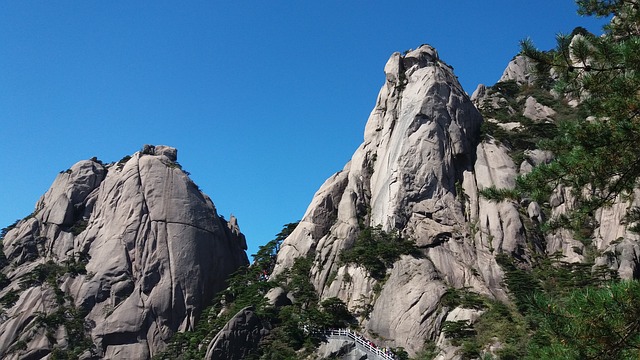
{"points": [[293, 329], [579, 310]]}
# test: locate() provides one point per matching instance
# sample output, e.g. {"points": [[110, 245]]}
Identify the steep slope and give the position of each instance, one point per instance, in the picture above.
{"points": [[519, 113], [129, 253], [417, 172]]}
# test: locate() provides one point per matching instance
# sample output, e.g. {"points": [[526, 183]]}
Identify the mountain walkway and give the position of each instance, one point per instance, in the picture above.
{"points": [[373, 352]]}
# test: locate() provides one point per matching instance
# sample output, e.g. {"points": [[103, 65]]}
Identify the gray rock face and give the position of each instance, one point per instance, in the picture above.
{"points": [[154, 248], [418, 171], [536, 111], [340, 349], [447, 350], [239, 337], [520, 70]]}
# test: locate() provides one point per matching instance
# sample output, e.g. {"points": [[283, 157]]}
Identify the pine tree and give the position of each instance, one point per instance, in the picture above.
{"points": [[598, 156], [590, 323]]}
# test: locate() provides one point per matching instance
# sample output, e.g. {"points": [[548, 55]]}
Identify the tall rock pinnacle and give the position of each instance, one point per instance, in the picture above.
{"points": [[417, 172], [152, 249]]}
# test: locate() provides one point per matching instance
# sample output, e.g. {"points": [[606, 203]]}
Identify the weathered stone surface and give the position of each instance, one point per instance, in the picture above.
{"points": [[534, 158], [535, 212], [154, 248], [536, 111], [479, 93], [278, 297], [497, 226], [339, 349], [69, 190], [239, 337], [447, 350], [520, 70], [19, 324], [418, 172]]}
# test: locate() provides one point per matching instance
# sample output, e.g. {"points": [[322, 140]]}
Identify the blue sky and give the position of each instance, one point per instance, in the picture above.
{"points": [[263, 99]]}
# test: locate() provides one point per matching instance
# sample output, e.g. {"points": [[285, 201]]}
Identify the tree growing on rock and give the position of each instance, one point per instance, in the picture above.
{"points": [[596, 156]]}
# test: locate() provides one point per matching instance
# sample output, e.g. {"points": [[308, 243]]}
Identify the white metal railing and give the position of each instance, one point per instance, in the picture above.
{"points": [[362, 342]]}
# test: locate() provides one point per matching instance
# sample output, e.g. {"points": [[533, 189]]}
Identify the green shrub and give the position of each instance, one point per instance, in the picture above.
{"points": [[462, 297], [508, 89], [457, 331], [377, 250], [9, 298], [4, 281], [78, 227], [588, 323], [121, 162]]}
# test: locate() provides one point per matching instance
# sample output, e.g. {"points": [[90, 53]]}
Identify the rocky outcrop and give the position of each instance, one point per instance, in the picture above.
{"points": [[536, 111], [134, 247], [239, 337], [417, 172], [340, 349], [447, 349], [520, 70]]}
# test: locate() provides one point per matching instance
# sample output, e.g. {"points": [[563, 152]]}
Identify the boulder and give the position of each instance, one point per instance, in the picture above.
{"points": [[239, 337], [536, 111]]}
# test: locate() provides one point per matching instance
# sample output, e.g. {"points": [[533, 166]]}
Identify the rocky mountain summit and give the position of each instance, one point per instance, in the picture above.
{"points": [[427, 157], [114, 260], [417, 173]]}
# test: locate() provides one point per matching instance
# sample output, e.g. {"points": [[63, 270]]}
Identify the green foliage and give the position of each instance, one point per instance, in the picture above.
{"points": [[503, 323], [49, 272], [530, 133], [401, 353], [3, 258], [4, 281], [264, 259], [599, 153], [549, 275], [76, 266], [5, 230], [589, 323], [458, 331], [462, 297], [508, 89], [632, 219], [377, 250], [96, 160], [534, 330], [521, 283], [43, 273], [337, 315], [78, 227], [429, 351], [148, 150], [498, 195], [293, 327], [121, 162], [499, 322], [73, 321], [9, 298]]}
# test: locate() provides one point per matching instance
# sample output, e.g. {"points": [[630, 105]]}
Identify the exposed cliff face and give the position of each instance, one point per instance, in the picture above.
{"points": [[613, 245], [417, 172], [153, 246]]}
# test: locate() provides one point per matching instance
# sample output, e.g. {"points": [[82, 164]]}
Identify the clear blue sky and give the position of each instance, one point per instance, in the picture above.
{"points": [[263, 99]]}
